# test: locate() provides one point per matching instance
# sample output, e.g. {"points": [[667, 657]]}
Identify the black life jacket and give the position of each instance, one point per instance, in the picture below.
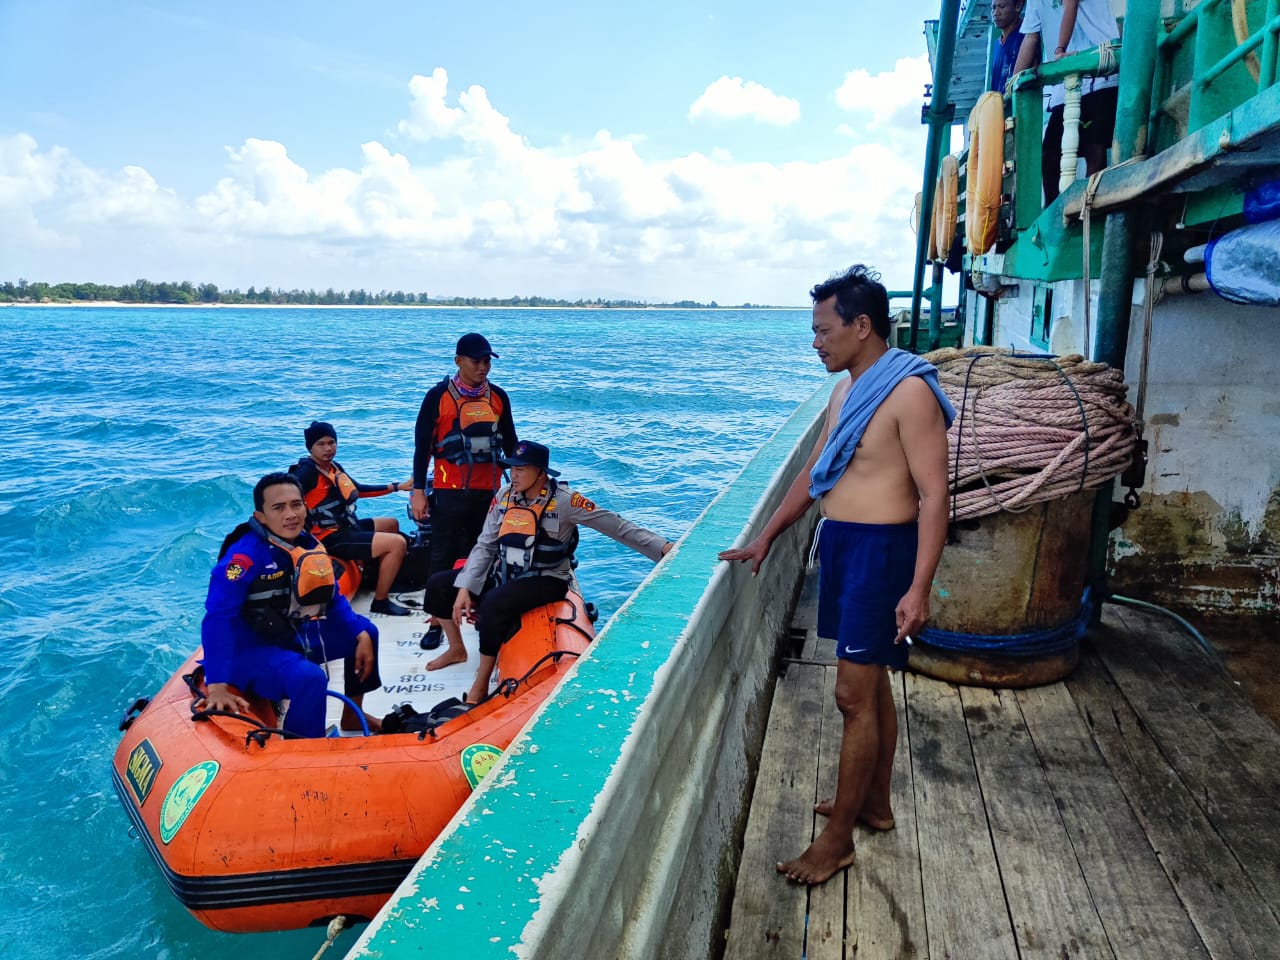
{"points": [[474, 435], [300, 590], [526, 547]]}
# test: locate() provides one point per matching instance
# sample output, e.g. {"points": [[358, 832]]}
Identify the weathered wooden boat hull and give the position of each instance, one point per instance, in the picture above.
{"points": [[642, 763]]}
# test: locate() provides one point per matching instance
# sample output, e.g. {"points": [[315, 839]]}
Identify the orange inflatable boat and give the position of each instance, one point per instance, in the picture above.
{"points": [[255, 832]]}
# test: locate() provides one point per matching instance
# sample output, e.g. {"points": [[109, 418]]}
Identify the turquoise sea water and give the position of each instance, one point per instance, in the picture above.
{"points": [[132, 438]]}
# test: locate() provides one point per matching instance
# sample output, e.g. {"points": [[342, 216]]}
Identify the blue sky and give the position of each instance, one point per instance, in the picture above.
{"points": [[729, 151]]}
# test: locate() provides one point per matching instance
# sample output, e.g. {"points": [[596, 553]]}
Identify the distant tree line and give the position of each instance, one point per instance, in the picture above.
{"points": [[144, 291]]}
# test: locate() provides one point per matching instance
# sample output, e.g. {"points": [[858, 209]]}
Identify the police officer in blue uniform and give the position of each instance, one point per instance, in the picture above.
{"points": [[271, 619]]}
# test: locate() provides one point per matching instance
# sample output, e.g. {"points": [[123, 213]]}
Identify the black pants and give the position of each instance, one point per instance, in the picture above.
{"points": [[499, 609], [457, 517], [1097, 127]]}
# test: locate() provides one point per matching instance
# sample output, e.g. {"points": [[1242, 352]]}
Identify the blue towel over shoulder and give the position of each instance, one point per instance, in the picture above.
{"points": [[864, 399]]}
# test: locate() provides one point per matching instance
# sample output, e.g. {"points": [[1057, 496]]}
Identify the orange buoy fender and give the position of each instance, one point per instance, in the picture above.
{"points": [[1240, 24], [931, 248], [986, 166], [946, 199]]}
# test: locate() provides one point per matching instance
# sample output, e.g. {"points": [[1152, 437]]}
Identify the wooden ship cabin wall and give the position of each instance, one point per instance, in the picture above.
{"points": [[1207, 535]]}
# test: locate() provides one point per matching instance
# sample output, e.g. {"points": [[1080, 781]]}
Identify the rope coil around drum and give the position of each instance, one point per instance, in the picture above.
{"points": [[1084, 421], [1035, 643], [1031, 427], [964, 405], [973, 425]]}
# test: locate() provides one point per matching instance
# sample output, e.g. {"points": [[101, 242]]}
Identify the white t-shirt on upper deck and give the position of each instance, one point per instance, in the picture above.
{"points": [[1095, 24]]}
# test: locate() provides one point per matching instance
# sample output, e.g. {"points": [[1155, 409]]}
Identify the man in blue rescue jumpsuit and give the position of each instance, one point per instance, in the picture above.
{"points": [[251, 641]]}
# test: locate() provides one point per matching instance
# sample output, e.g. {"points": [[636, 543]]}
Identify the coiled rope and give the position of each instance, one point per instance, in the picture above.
{"points": [[1033, 643], [1030, 428]]}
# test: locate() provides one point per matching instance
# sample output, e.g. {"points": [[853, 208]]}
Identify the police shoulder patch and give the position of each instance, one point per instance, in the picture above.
{"points": [[578, 500], [238, 565]]}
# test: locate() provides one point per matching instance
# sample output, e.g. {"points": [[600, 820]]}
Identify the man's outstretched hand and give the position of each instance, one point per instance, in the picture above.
{"points": [[754, 552]]}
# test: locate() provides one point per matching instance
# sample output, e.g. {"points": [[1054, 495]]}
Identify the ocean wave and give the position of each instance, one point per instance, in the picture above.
{"points": [[133, 513]]}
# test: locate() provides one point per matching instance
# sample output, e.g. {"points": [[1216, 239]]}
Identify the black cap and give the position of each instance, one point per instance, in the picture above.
{"points": [[316, 431], [530, 454], [474, 346]]}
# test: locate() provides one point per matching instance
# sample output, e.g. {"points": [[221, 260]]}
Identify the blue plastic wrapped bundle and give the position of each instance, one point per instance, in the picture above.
{"points": [[1262, 202], [1243, 266]]}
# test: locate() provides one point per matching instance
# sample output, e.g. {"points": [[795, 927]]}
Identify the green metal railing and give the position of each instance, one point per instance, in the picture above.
{"points": [[1226, 68], [1028, 110], [938, 116], [1179, 76]]}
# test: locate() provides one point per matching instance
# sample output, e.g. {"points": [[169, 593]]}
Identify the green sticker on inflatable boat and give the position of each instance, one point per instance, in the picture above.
{"points": [[477, 760], [183, 797]]}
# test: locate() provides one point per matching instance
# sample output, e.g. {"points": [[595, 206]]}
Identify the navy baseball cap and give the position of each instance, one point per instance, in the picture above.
{"points": [[530, 454], [474, 346]]}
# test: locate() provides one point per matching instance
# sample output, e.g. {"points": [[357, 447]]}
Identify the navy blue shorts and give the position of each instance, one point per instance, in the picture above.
{"points": [[864, 570]]}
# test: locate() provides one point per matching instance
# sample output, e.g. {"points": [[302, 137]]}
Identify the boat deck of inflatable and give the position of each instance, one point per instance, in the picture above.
{"points": [[254, 832], [402, 663], [1128, 811]]}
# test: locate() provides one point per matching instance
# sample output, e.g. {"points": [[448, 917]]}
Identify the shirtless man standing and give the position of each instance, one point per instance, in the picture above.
{"points": [[879, 472]]}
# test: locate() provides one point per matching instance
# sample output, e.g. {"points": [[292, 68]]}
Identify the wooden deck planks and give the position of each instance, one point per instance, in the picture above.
{"points": [[768, 920], [886, 915], [1129, 812], [1140, 910], [1242, 809], [828, 929], [1053, 913], [964, 902], [1223, 904], [1251, 737]]}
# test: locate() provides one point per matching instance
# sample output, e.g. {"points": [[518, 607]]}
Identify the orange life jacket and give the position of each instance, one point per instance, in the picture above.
{"points": [[331, 503], [468, 440], [276, 604], [525, 548]]}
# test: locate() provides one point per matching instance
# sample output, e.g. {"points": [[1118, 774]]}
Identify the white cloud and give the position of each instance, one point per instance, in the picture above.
{"points": [[26, 175], [32, 181], [132, 198], [890, 98], [468, 203], [269, 194], [733, 97], [429, 116]]}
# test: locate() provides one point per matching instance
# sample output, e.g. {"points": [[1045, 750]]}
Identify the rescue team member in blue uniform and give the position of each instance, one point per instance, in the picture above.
{"points": [[271, 620], [331, 495], [464, 426], [524, 556]]}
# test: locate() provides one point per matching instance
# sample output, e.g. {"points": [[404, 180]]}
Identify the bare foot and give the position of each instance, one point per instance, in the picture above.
{"points": [[873, 819], [351, 723], [825, 857], [448, 659]]}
